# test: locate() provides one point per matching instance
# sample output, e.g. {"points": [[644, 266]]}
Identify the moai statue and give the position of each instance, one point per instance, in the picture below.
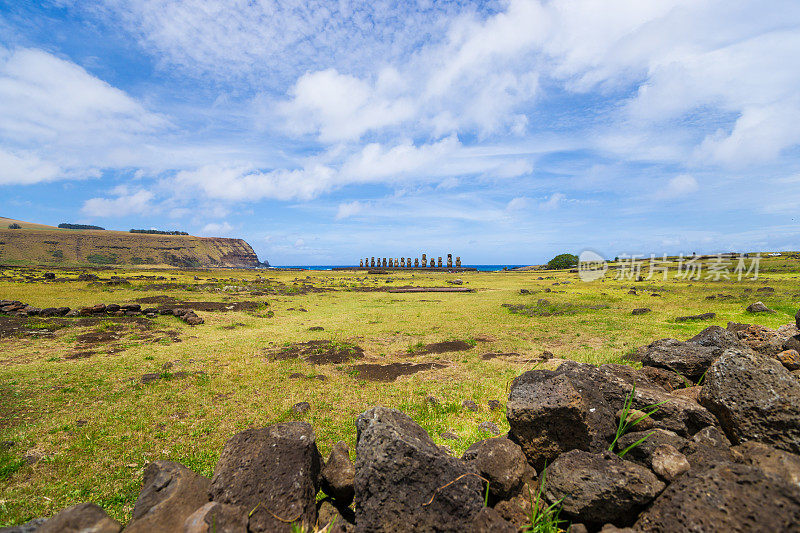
{"points": [[439, 263], [408, 262], [424, 260], [402, 262], [373, 262], [396, 262], [458, 262], [361, 263], [433, 262], [384, 261], [449, 260], [416, 262]]}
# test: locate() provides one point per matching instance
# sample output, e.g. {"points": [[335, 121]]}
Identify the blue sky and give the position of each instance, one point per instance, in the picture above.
{"points": [[321, 132]]}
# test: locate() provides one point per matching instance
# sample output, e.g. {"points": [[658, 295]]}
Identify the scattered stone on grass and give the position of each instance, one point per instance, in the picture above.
{"points": [[489, 427], [470, 405], [701, 316], [641, 311], [758, 307], [301, 408]]}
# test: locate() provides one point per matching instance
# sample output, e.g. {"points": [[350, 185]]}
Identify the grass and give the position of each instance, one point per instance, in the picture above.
{"points": [[625, 426], [543, 518], [43, 392]]}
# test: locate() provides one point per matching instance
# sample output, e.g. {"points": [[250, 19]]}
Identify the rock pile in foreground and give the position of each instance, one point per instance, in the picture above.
{"points": [[721, 453]]}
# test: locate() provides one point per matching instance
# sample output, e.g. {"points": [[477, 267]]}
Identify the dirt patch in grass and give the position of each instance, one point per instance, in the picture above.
{"points": [[109, 335], [168, 302], [319, 352], [80, 355], [441, 347], [390, 372], [493, 355]]}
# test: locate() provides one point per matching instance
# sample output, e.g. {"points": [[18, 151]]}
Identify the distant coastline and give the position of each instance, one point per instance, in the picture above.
{"points": [[480, 268]]}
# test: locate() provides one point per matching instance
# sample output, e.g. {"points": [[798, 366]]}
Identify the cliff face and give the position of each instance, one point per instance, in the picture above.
{"points": [[67, 247]]}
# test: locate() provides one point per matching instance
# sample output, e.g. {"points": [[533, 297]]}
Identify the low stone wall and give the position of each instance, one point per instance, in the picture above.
{"points": [[17, 308]]}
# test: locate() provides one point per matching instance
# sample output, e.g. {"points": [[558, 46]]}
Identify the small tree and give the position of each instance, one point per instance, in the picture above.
{"points": [[14, 226], [563, 261]]}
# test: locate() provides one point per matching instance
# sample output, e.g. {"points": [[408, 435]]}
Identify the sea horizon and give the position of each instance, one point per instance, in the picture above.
{"points": [[480, 268]]}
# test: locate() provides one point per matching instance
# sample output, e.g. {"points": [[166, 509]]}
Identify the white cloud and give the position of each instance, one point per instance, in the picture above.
{"points": [[554, 202], [270, 40], [349, 209], [24, 168], [678, 186], [340, 107], [47, 99], [125, 203], [517, 204], [57, 121], [245, 183], [217, 229]]}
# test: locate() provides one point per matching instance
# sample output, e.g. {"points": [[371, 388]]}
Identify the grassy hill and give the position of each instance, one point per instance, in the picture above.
{"points": [[39, 244]]}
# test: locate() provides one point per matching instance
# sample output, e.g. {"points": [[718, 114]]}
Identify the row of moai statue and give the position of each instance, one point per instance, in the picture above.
{"points": [[405, 262]]}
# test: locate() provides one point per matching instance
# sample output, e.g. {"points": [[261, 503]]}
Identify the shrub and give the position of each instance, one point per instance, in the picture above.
{"points": [[563, 261], [65, 225], [14, 226], [102, 259], [158, 232]]}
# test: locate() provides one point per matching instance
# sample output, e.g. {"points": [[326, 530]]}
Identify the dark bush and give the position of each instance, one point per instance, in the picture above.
{"points": [[101, 259], [65, 225], [563, 261], [158, 232], [14, 226]]}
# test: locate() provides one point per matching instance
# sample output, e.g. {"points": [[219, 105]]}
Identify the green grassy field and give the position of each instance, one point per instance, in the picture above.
{"points": [[84, 428]]}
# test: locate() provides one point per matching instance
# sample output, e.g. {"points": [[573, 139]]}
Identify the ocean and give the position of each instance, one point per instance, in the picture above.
{"points": [[481, 268]]}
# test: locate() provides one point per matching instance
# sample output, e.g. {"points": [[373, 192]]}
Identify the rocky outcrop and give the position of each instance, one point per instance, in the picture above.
{"points": [[501, 462], [123, 248], [405, 482], [338, 475], [755, 398], [170, 493], [81, 518], [272, 472], [600, 487], [726, 497]]}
